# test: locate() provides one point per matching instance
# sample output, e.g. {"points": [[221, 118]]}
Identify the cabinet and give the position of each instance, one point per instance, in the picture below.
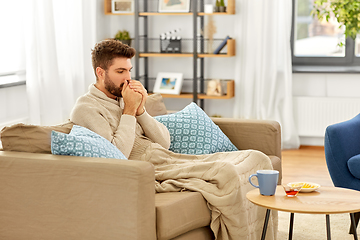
{"points": [[143, 10]]}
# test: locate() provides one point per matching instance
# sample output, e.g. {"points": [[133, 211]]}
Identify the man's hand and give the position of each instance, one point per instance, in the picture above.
{"points": [[132, 100], [137, 87]]}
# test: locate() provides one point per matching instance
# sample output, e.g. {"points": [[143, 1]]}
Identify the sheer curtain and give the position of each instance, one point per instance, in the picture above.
{"points": [[59, 33], [264, 74]]}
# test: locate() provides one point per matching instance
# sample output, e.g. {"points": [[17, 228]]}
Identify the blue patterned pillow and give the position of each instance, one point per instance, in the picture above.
{"points": [[83, 142], [193, 132]]}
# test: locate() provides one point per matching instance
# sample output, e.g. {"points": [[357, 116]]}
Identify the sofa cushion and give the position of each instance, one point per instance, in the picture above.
{"points": [[203, 233], [30, 138], [354, 165], [154, 105], [193, 132], [84, 143], [180, 212]]}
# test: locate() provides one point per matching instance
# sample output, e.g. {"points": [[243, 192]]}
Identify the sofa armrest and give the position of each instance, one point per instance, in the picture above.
{"points": [[44, 196], [262, 135]]}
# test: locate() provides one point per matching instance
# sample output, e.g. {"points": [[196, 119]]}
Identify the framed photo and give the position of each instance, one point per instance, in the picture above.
{"points": [[169, 83], [214, 88], [174, 6], [122, 6]]}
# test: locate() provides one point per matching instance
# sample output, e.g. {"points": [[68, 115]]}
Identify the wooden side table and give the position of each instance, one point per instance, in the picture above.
{"points": [[325, 200]]}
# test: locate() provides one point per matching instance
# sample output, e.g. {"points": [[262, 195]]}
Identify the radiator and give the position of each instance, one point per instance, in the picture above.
{"points": [[313, 114]]}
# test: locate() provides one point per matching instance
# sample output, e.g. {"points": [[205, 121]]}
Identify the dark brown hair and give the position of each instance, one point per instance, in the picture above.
{"points": [[105, 51]]}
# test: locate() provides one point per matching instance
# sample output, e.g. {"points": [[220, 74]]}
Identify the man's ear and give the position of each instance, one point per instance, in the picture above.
{"points": [[100, 73]]}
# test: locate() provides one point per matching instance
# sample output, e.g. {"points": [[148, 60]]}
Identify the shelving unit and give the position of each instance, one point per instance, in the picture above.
{"points": [[197, 53]]}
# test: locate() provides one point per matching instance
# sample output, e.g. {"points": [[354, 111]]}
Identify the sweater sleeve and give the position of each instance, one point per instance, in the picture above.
{"points": [[154, 130], [90, 117]]}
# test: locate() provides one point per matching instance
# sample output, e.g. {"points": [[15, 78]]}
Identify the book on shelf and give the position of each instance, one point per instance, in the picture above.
{"points": [[222, 45]]}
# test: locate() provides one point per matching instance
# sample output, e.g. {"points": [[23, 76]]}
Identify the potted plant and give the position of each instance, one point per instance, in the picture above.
{"points": [[124, 37], [222, 7], [346, 12], [217, 6]]}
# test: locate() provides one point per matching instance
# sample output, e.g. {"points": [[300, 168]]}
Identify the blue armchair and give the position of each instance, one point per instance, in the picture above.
{"points": [[342, 153]]}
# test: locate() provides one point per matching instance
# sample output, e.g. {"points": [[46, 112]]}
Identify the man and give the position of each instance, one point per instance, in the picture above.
{"points": [[114, 105], [114, 108]]}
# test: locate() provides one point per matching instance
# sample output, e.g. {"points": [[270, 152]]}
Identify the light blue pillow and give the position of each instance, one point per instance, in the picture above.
{"points": [[83, 142], [193, 132]]}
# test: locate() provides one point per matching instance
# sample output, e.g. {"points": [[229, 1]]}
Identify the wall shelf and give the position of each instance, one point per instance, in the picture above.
{"points": [[230, 93], [230, 10], [230, 52]]}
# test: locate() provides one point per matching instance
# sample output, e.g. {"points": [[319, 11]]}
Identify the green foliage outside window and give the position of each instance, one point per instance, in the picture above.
{"points": [[346, 12], [303, 8], [302, 31]]}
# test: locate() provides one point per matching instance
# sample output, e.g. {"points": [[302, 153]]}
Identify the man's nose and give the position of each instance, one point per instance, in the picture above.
{"points": [[128, 76]]}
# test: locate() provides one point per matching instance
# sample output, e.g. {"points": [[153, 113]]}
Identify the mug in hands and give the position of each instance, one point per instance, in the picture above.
{"points": [[267, 181]]}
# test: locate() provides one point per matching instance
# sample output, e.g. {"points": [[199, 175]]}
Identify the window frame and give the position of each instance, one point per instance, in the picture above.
{"points": [[348, 64], [11, 79]]}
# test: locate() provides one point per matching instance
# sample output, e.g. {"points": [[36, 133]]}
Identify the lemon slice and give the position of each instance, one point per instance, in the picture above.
{"points": [[307, 186]]}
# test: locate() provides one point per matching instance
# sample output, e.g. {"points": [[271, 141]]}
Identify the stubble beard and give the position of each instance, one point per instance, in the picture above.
{"points": [[111, 87]]}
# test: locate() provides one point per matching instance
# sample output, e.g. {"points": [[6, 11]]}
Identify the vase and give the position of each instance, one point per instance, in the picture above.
{"points": [[222, 9], [127, 42]]}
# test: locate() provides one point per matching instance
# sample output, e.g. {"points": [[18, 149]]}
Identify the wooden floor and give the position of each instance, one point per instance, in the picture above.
{"points": [[305, 164]]}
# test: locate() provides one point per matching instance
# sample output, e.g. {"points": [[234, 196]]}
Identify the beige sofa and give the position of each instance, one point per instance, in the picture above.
{"points": [[43, 196]]}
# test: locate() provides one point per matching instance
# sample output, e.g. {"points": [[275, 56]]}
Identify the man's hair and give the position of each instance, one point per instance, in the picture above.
{"points": [[105, 51]]}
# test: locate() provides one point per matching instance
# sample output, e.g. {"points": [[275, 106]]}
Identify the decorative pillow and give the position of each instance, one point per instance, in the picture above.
{"points": [[83, 142], [354, 166], [193, 132], [154, 105], [30, 138]]}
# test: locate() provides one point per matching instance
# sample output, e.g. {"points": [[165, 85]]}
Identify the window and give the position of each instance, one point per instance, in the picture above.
{"points": [[315, 44], [12, 44]]}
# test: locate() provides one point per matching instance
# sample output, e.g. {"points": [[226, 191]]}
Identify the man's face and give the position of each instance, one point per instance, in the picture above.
{"points": [[116, 75]]}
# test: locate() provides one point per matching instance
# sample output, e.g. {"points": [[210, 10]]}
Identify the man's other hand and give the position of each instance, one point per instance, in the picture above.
{"points": [[132, 100], [139, 88]]}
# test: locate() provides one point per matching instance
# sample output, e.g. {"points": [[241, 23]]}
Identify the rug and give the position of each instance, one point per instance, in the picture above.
{"points": [[313, 226]]}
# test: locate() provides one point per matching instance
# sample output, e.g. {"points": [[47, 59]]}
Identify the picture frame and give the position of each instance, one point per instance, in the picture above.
{"points": [[214, 88], [168, 82], [122, 6], [174, 6]]}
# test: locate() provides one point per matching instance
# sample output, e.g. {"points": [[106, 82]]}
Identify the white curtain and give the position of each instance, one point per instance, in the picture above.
{"points": [[263, 72], [59, 33]]}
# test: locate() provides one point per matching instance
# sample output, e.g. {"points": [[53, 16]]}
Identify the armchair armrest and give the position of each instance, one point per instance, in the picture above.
{"points": [[44, 196], [262, 135]]}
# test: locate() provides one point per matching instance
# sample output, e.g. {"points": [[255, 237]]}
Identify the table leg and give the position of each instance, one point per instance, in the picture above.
{"points": [[357, 217], [353, 224], [291, 226], [265, 224], [328, 233]]}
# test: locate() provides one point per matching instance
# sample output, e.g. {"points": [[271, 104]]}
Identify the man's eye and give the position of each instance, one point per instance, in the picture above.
{"points": [[130, 70], [120, 71]]}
